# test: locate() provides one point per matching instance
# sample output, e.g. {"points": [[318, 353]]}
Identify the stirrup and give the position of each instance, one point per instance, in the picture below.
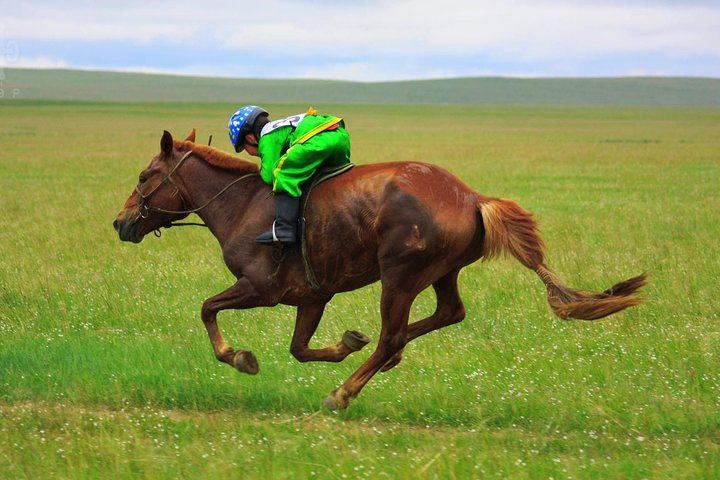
{"points": [[269, 237]]}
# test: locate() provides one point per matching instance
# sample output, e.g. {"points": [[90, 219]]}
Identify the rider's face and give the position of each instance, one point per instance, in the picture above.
{"points": [[250, 144]]}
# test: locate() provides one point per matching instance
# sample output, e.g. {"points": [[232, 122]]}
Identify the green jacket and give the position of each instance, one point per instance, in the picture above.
{"points": [[292, 149]]}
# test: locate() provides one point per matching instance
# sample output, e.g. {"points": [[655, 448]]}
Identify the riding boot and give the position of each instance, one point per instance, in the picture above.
{"points": [[284, 228]]}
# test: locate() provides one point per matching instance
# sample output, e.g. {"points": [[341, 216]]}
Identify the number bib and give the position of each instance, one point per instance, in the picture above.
{"points": [[292, 121]]}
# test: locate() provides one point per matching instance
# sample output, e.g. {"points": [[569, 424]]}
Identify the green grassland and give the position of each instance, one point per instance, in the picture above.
{"points": [[106, 370], [114, 86]]}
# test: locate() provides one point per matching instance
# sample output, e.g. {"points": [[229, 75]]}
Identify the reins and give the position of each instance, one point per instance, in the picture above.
{"points": [[145, 208]]}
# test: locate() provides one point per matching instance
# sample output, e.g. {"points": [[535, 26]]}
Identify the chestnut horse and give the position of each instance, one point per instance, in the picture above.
{"points": [[409, 225]]}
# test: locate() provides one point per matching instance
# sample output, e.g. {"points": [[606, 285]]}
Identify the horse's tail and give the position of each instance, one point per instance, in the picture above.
{"points": [[511, 228]]}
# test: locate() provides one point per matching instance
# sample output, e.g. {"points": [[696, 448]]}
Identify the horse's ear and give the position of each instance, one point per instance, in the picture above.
{"points": [[166, 143], [191, 137]]}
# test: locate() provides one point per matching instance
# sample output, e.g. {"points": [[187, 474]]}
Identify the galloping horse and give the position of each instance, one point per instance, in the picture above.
{"points": [[409, 225]]}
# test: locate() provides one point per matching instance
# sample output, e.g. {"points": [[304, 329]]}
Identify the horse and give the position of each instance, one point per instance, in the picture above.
{"points": [[409, 225]]}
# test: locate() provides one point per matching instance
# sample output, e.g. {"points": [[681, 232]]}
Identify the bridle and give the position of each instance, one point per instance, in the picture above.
{"points": [[145, 209]]}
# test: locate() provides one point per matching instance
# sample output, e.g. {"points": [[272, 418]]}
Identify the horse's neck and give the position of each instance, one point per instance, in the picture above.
{"points": [[220, 211]]}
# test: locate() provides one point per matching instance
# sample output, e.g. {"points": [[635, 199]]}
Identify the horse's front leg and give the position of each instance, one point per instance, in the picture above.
{"points": [[308, 317], [240, 295], [395, 309]]}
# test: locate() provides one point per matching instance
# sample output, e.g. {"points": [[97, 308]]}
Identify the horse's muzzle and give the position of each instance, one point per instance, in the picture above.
{"points": [[128, 228]]}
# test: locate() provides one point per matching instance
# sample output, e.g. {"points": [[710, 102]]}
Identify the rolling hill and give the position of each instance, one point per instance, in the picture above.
{"points": [[63, 84]]}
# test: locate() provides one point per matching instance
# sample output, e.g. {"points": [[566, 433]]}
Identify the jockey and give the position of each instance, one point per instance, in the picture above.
{"points": [[290, 150]]}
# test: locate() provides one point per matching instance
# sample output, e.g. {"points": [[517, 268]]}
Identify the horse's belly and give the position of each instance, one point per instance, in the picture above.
{"points": [[340, 264]]}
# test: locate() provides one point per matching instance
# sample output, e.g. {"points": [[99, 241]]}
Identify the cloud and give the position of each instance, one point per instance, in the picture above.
{"points": [[529, 28], [384, 39], [137, 24], [34, 62]]}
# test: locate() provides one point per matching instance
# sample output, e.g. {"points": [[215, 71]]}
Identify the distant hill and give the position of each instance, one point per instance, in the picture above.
{"points": [[116, 86]]}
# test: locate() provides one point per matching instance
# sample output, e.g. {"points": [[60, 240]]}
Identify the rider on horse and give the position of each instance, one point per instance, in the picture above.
{"points": [[290, 150]]}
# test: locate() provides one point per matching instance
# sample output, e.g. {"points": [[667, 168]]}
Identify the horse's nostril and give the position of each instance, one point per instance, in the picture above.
{"points": [[116, 225]]}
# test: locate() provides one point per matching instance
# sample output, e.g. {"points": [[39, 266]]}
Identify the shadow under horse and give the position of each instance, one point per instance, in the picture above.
{"points": [[410, 225]]}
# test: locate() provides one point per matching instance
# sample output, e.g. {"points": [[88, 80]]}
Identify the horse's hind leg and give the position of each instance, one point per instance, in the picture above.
{"points": [[395, 308], [449, 310], [308, 317], [240, 295]]}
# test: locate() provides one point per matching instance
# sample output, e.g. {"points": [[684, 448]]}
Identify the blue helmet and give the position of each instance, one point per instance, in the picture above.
{"points": [[241, 123]]}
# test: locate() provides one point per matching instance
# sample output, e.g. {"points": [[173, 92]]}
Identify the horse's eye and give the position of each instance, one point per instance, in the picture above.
{"points": [[142, 179]]}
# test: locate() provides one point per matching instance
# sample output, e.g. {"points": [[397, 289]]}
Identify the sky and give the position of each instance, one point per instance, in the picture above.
{"points": [[367, 40]]}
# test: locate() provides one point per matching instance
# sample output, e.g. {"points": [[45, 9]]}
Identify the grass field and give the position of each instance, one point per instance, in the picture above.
{"points": [[106, 370]]}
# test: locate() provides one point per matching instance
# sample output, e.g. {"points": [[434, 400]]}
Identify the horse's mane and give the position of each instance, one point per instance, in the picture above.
{"points": [[218, 158]]}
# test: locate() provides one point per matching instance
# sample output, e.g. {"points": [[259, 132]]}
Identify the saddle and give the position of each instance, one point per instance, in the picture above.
{"points": [[323, 174]]}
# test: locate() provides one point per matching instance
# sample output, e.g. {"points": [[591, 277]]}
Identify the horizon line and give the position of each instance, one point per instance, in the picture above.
{"points": [[172, 73]]}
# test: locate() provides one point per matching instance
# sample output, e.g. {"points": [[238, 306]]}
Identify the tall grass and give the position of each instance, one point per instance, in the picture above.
{"points": [[106, 369]]}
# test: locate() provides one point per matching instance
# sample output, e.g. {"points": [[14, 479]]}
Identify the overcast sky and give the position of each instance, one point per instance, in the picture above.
{"points": [[367, 40]]}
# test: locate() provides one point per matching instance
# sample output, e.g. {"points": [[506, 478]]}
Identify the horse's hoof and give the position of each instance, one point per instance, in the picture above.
{"points": [[355, 340], [337, 400], [246, 362], [331, 404]]}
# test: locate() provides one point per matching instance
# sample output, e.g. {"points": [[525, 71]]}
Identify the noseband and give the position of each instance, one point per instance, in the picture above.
{"points": [[145, 209]]}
